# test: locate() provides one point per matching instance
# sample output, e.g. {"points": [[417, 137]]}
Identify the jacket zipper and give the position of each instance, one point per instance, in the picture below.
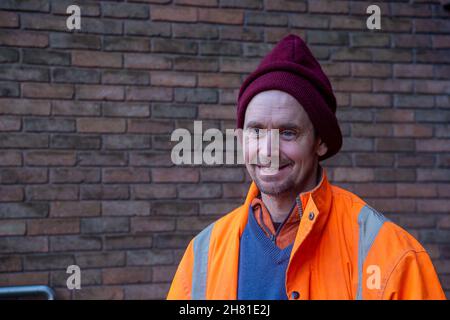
{"points": [[273, 237]]}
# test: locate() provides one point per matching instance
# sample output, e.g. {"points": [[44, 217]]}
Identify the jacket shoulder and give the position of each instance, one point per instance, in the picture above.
{"points": [[228, 221]]}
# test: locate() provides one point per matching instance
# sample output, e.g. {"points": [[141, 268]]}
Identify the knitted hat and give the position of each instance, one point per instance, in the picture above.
{"points": [[291, 67]]}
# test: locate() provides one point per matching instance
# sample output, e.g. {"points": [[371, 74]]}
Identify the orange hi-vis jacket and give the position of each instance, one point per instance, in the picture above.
{"points": [[343, 249]]}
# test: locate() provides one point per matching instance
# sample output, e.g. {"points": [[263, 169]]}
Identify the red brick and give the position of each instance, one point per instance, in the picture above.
{"points": [[222, 16], [351, 85], [371, 70], [75, 209], [150, 225], [125, 175], [24, 278], [163, 273], [125, 208], [441, 41], [285, 5], [353, 175], [149, 94], [387, 85], [442, 206], [11, 193], [412, 130], [96, 59], [433, 145], [101, 125], [168, 13], [218, 81], [99, 293], [23, 39], [371, 100], [175, 175], [394, 116], [199, 3], [24, 107], [413, 71], [149, 126], [415, 190], [157, 291], [50, 158], [146, 61], [172, 79], [10, 263], [45, 90], [9, 19], [99, 92], [126, 275], [393, 205], [325, 6], [11, 158], [53, 226]]}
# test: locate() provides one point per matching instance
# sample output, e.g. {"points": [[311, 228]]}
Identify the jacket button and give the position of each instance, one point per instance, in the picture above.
{"points": [[311, 215], [295, 295]]}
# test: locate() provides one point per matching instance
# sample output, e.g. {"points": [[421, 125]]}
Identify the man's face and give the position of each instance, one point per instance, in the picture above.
{"points": [[299, 148]]}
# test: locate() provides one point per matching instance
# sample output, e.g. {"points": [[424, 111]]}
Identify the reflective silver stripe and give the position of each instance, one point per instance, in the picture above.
{"points": [[370, 222], [201, 249]]}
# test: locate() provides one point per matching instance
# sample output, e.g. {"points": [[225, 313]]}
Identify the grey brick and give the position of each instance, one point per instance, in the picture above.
{"points": [[198, 95], [201, 31], [125, 10], [78, 142], [24, 210], [22, 73], [174, 111], [174, 46], [144, 28], [125, 77], [36, 56], [25, 5], [126, 44], [8, 55], [43, 125], [74, 41], [18, 140], [104, 225], [220, 48], [73, 75], [126, 142], [9, 89]]}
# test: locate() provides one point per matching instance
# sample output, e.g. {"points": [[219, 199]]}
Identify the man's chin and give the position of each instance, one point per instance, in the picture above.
{"points": [[273, 188]]}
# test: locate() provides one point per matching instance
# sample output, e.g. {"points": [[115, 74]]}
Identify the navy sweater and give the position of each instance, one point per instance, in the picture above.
{"points": [[262, 265]]}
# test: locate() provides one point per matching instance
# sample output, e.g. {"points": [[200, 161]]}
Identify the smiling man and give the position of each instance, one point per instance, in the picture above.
{"points": [[297, 236]]}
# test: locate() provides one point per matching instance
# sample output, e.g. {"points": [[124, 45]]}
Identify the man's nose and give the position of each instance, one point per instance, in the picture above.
{"points": [[266, 144]]}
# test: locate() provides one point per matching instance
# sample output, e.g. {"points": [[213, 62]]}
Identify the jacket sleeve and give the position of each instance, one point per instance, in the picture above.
{"points": [[413, 278], [182, 281]]}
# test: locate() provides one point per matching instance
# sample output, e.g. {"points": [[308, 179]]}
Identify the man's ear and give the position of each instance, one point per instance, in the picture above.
{"points": [[321, 147]]}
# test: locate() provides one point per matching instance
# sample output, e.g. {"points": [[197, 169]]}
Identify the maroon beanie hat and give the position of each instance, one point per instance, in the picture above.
{"points": [[291, 67]]}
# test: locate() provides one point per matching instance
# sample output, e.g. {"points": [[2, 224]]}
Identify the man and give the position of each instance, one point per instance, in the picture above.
{"points": [[297, 236]]}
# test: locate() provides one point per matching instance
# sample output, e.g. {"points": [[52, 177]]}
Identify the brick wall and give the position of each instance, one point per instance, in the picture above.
{"points": [[86, 116]]}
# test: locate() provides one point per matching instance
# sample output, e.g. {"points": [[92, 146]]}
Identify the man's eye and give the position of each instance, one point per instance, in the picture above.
{"points": [[288, 133], [255, 131]]}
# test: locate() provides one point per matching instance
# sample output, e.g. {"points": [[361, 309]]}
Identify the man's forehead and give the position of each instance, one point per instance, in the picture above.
{"points": [[277, 115]]}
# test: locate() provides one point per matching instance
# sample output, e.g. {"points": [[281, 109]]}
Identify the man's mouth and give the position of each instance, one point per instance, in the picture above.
{"points": [[269, 170]]}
